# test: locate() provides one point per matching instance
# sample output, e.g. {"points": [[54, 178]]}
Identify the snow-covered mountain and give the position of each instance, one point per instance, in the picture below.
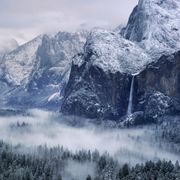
{"points": [[155, 26], [101, 77], [35, 73]]}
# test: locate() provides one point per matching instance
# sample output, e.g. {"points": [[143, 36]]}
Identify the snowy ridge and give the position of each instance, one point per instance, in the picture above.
{"points": [[155, 26], [113, 53]]}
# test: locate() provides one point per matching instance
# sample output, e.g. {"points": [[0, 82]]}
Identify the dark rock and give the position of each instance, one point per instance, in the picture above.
{"points": [[96, 94], [158, 87]]}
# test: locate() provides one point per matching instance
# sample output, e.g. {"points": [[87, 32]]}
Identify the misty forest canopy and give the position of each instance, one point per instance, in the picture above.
{"points": [[94, 104], [51, 164]]}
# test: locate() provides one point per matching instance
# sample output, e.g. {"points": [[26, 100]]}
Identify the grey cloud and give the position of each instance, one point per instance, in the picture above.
{"points": [[41, 16]]}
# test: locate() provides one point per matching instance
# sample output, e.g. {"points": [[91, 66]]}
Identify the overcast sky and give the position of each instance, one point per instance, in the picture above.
{"points": [[25, 19]]}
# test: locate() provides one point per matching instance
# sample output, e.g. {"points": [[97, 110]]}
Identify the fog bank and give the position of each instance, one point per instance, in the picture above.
{"points": [[41, 127]]}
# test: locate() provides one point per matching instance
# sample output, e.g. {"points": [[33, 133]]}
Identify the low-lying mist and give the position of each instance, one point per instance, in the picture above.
{"points": [[41, 127]]}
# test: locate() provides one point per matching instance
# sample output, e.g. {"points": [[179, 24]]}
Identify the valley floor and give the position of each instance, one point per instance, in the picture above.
{"points": [[38, 144]]}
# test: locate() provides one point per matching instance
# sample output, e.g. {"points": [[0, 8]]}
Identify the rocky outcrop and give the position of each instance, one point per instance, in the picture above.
{"points": [[157, 88]]}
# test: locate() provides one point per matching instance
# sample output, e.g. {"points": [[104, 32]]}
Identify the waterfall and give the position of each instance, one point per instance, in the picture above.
{"points": [[130, 104]]}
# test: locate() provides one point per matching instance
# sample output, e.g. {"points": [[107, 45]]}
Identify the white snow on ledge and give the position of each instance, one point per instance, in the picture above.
{"points": [[111, 52], [54, 96]]}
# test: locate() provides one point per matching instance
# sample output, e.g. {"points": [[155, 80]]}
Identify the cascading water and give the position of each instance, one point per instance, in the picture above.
{"points": [[130, 104]]}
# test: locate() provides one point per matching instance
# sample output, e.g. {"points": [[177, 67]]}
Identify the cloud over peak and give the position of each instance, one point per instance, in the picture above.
{"points": [[25, 19]]}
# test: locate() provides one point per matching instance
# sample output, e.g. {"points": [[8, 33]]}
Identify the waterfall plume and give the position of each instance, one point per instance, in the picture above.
{"points": [[130, 104]]}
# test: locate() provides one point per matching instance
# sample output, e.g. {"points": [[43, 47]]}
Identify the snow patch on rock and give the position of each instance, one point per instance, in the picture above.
{"points": [[112, 53]]}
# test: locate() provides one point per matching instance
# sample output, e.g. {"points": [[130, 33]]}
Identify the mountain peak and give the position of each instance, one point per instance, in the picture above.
{"points": [[155, 25]]}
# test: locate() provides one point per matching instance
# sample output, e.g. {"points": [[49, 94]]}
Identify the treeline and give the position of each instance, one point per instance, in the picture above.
{"points": [[50, 164], [168, 132]]}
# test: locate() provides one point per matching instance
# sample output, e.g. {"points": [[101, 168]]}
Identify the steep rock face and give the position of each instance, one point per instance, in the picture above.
{"points": [[155, 26], [100, 78], [157, 88]]}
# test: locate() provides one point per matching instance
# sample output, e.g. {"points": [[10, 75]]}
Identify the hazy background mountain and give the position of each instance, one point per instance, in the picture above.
{"points": [[7, 45]]}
